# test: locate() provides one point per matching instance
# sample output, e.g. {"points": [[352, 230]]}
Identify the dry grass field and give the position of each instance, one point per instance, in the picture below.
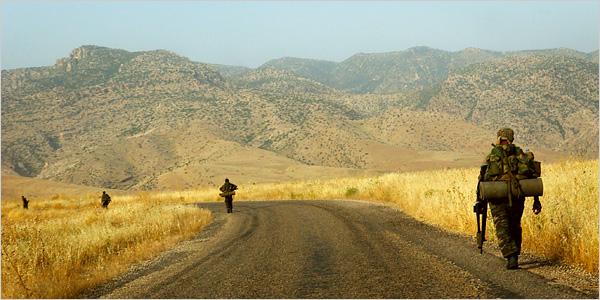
{"points": [[565, 230], [13, 187], [61, 246], [251, 165]]}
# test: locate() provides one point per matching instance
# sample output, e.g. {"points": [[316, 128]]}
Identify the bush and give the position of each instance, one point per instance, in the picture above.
{"points": [[351, 191]]}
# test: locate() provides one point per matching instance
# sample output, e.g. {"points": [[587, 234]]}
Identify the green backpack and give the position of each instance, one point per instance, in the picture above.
{"points": [[506, 161]]}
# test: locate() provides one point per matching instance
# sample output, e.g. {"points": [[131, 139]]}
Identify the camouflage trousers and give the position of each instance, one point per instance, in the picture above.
{"points": [[507, 220], [229, 202]]}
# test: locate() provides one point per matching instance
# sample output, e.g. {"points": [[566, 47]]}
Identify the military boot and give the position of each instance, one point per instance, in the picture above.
{"points": [[513, 262]]}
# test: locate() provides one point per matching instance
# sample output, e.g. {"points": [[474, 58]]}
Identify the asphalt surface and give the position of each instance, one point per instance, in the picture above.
{"points": [[331, 249]]}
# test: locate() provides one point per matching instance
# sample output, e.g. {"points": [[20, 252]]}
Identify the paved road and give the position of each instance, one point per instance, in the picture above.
{"points": [[328, 249]]}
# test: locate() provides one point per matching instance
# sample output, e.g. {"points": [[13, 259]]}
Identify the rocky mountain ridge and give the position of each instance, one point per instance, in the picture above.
{"points": [[402, 71], [156, 120]]}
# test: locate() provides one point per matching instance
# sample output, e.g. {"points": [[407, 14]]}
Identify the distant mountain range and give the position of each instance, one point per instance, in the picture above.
{"points": [[395, 72], [156, 120]]}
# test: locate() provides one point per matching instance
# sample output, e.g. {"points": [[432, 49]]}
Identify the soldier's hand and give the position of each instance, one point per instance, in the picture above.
{"points": [[537, 206]]}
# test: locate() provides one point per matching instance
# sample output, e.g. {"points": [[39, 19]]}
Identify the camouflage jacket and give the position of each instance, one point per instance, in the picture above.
{"points": [[228, 187]]}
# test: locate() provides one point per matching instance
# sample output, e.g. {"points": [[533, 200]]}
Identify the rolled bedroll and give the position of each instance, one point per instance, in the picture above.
{"points": [[496, 190], [225, 194]]}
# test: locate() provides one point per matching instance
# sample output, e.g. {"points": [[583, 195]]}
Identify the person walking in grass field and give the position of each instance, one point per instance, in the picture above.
{"points": [[507, 162], [105, 199], [227, 190], [25, 202]]}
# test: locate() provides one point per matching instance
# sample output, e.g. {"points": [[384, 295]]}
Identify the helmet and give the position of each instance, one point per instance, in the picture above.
{"points": [[506, 134]]}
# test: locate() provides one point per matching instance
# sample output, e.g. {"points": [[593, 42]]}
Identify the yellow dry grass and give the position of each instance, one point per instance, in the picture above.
{"points": [[59, 247], [565, 230]]}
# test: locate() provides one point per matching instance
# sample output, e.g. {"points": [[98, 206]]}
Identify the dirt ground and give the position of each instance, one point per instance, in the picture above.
{"points": [[336, 249]]}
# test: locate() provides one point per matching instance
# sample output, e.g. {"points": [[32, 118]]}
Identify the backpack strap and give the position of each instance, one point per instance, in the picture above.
{"points": [[513, 181]]}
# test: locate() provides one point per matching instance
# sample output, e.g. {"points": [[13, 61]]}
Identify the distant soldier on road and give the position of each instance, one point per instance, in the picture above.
{"points": [[504, 160], [105, 199], [227, 190], [25, 202]]}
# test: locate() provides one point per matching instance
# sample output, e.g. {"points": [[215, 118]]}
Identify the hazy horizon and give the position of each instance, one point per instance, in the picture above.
{"points": [[249, 34]]}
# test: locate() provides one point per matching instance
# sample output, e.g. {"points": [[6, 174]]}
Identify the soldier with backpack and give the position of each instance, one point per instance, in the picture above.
{"points": [[228, 190], [105, 199], [507, 162]]}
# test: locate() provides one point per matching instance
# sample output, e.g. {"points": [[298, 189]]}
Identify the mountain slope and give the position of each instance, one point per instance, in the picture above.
{"points": [[402, 71], [46, 128], [154, 114], [550, 101], [156, 120], [270, 79], [318, 70]]}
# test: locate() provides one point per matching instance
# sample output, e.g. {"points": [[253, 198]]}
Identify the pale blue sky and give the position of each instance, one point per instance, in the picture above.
{"points": [[250, 33]]}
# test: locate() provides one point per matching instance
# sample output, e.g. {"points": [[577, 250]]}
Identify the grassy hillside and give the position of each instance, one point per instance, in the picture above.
{"points": [[13, 187]]}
